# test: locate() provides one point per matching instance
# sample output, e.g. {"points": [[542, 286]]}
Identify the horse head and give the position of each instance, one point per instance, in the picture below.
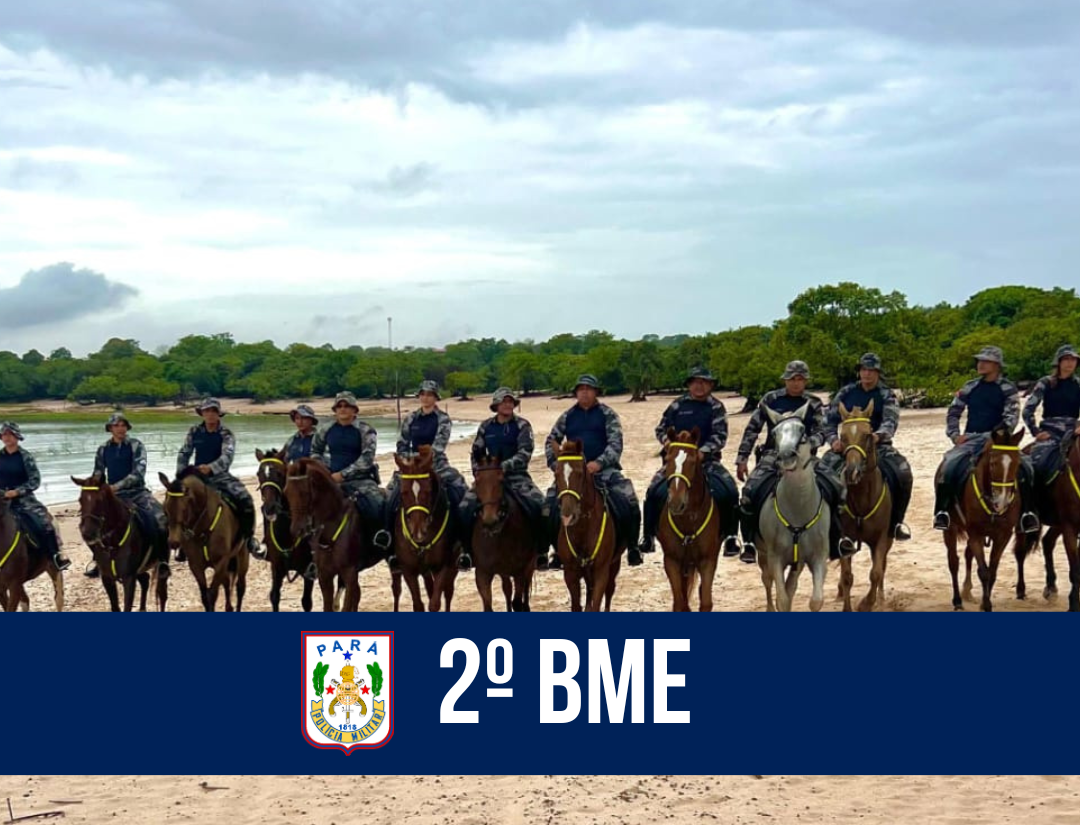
{"points": [[420, 495], [300, 495], [272, 475], [93, 510], [571, 481], [1002, 454], [185, 504], [857, 438], [682, 467], [789, 434], [489, 491]]}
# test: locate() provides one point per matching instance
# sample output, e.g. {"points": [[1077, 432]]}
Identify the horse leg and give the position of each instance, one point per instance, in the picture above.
{"points": [[783, 599], [817, 571], [1048, 555], [705, 594], [277, 576], [791, 583], [161, 587], [969, 556], [242, 562], [767, 582], [877, 573], [198, 570], [1072, 551], [483, 587], [352, 593], [1020, 550], [450, 582], [429, 582], [144, 586], [18, 598], [326, 585], [673, 568], [129, 593], [508, 591], [977, 548], [305, 599], [954, 568], [613, 575], [412, 581], [600, 573], [847, 581], [572, 577], [395, 588], [435, 599], [111, 591]]}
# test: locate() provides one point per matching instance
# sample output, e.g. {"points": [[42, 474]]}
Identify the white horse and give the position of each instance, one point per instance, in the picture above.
{"points": [[794, 521]]}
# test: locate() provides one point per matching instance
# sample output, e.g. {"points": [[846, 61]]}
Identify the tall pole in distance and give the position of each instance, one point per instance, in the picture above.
{"points": [[397, 386]]}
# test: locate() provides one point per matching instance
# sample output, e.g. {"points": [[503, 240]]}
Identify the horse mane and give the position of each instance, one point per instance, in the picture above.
{"points": [[320, 475]]}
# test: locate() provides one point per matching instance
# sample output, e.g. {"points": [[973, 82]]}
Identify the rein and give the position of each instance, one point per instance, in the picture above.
{"points": [[1015, 484], [566, 530], [796, 532], [688, 538], [440, 499], [189, 532]]}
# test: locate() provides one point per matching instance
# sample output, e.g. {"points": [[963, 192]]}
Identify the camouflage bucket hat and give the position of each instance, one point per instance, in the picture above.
{"points": [[209, 404], [795, 368], [1067, 351], [346, 398], [11, 427], [992, 354], [303, 411], [430, 386], [500, 395], [870, 361], [115, 419], [700, 372], [587, 380]]}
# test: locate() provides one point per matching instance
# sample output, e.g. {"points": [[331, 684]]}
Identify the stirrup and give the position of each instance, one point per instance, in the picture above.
{"points": [[92, 571], [464, 561], [61, 561], [633, 556], [942, 521], [554, 563], [542, 561], [647, 545], [392, 562], [749, 553], [163, 570], [901, 532], [1029, 523], [312, 572], [382, 540], [731, 547], [846, 548]]}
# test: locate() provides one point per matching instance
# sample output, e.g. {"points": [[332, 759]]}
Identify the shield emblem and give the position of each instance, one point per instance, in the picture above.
{"points": [[348, 690]]}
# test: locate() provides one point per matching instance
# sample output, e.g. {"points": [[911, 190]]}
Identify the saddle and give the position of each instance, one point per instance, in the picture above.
{"points": [[1049, 459]]}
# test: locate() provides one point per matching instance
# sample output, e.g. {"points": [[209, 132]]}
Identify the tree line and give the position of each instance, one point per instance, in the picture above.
{"points": [[927, 351]]}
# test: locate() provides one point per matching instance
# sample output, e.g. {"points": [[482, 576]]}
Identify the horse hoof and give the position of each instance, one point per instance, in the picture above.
{"points": [[1050, 593]]}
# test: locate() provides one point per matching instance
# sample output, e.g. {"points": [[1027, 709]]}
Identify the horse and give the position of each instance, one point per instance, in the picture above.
{"points": [[986, 513], [795, 519], [122, 550], [1063, 520], [689, 529], [286, 555], [423, 533], [587, 544], [327, 520], [866, 518], [207, 530], [503, 540], [21, 561]]}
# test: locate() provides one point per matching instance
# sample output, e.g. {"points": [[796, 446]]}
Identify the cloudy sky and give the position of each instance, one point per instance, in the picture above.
{"points": [[299, 171]]}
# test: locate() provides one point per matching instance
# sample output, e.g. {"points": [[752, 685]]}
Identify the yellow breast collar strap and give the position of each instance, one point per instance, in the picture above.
{"points": [[798, 531], [14, 544], [434, 541], [599, 539], [700, 530]]}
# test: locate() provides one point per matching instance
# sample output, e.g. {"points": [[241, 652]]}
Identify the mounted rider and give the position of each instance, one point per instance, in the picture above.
{"points": [[766, 472], [885, 420], [698, 407], [598, 427], [121, 463], [19, 478], [347, 447], [992, 403], [508, 437], [429, 426], [299, 444], [1059, 396], [214, 447]]}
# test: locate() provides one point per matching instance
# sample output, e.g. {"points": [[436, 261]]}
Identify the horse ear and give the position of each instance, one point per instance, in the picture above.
{"points": [[869, 413], [845, 413], [399, 461], [77, 482], [164, 480], [1017, 437], [695, 435], [260, 455], [803, 410], [671, 433], [774, 416]]}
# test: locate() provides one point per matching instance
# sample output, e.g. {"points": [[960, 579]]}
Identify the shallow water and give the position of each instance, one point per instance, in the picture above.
{"points": [[65, 448]]}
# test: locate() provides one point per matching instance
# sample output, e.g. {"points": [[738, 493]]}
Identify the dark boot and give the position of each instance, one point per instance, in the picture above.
{"points": [[161, 553], [553, 522], [901, 492], [51, 545], [246, 512], [633, 530], [1029, 521], [92, 571], [748, 525], [650, 522], [840, 546], [942, 505]]}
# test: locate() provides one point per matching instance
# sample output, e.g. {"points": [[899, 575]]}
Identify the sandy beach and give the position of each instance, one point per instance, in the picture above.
{"points": [[513, 800], [918, 578]]}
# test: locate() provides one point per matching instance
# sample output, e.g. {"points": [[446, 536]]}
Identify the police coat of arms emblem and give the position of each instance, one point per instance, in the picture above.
{"points": [[348, 690]]}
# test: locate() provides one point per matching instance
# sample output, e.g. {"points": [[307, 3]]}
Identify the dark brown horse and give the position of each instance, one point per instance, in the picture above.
{"points": [[325, 519], [424, 540], [587, 543], [503, 540], [689, 530], [288, 557], [208, 532], [123, 552], [21, 562], [987, 513], [1062, 520], [866, 518]]}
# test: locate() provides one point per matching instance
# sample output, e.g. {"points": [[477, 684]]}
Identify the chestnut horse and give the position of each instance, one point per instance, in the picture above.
{"points": [[587, 543], [325, 519], [866, 518], [20, 562], [689, 530], [288, 557], [503, 540], [987, 513], [208, 532], [123, 552], [424, 540], [1062, 518]]}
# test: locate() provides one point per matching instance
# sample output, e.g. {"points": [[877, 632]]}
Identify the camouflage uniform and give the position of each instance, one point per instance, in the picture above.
{"points": [[360, 475], [513, 444], [19, 472], [886, 421], [763, 479], [299, 445], [217, 450], [710, 417], [1060, 400], [125, 471], [607, 452], [991, 406]]}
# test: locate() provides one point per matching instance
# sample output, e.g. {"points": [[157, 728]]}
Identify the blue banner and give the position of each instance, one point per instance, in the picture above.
{"points": [[378, 693]]}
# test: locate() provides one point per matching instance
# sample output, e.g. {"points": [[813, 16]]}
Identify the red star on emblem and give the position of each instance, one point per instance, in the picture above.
{"points": [[365, 690], [329, 691]]}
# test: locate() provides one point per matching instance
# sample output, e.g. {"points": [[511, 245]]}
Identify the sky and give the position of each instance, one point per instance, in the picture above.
{"points": [[299, 171]]}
